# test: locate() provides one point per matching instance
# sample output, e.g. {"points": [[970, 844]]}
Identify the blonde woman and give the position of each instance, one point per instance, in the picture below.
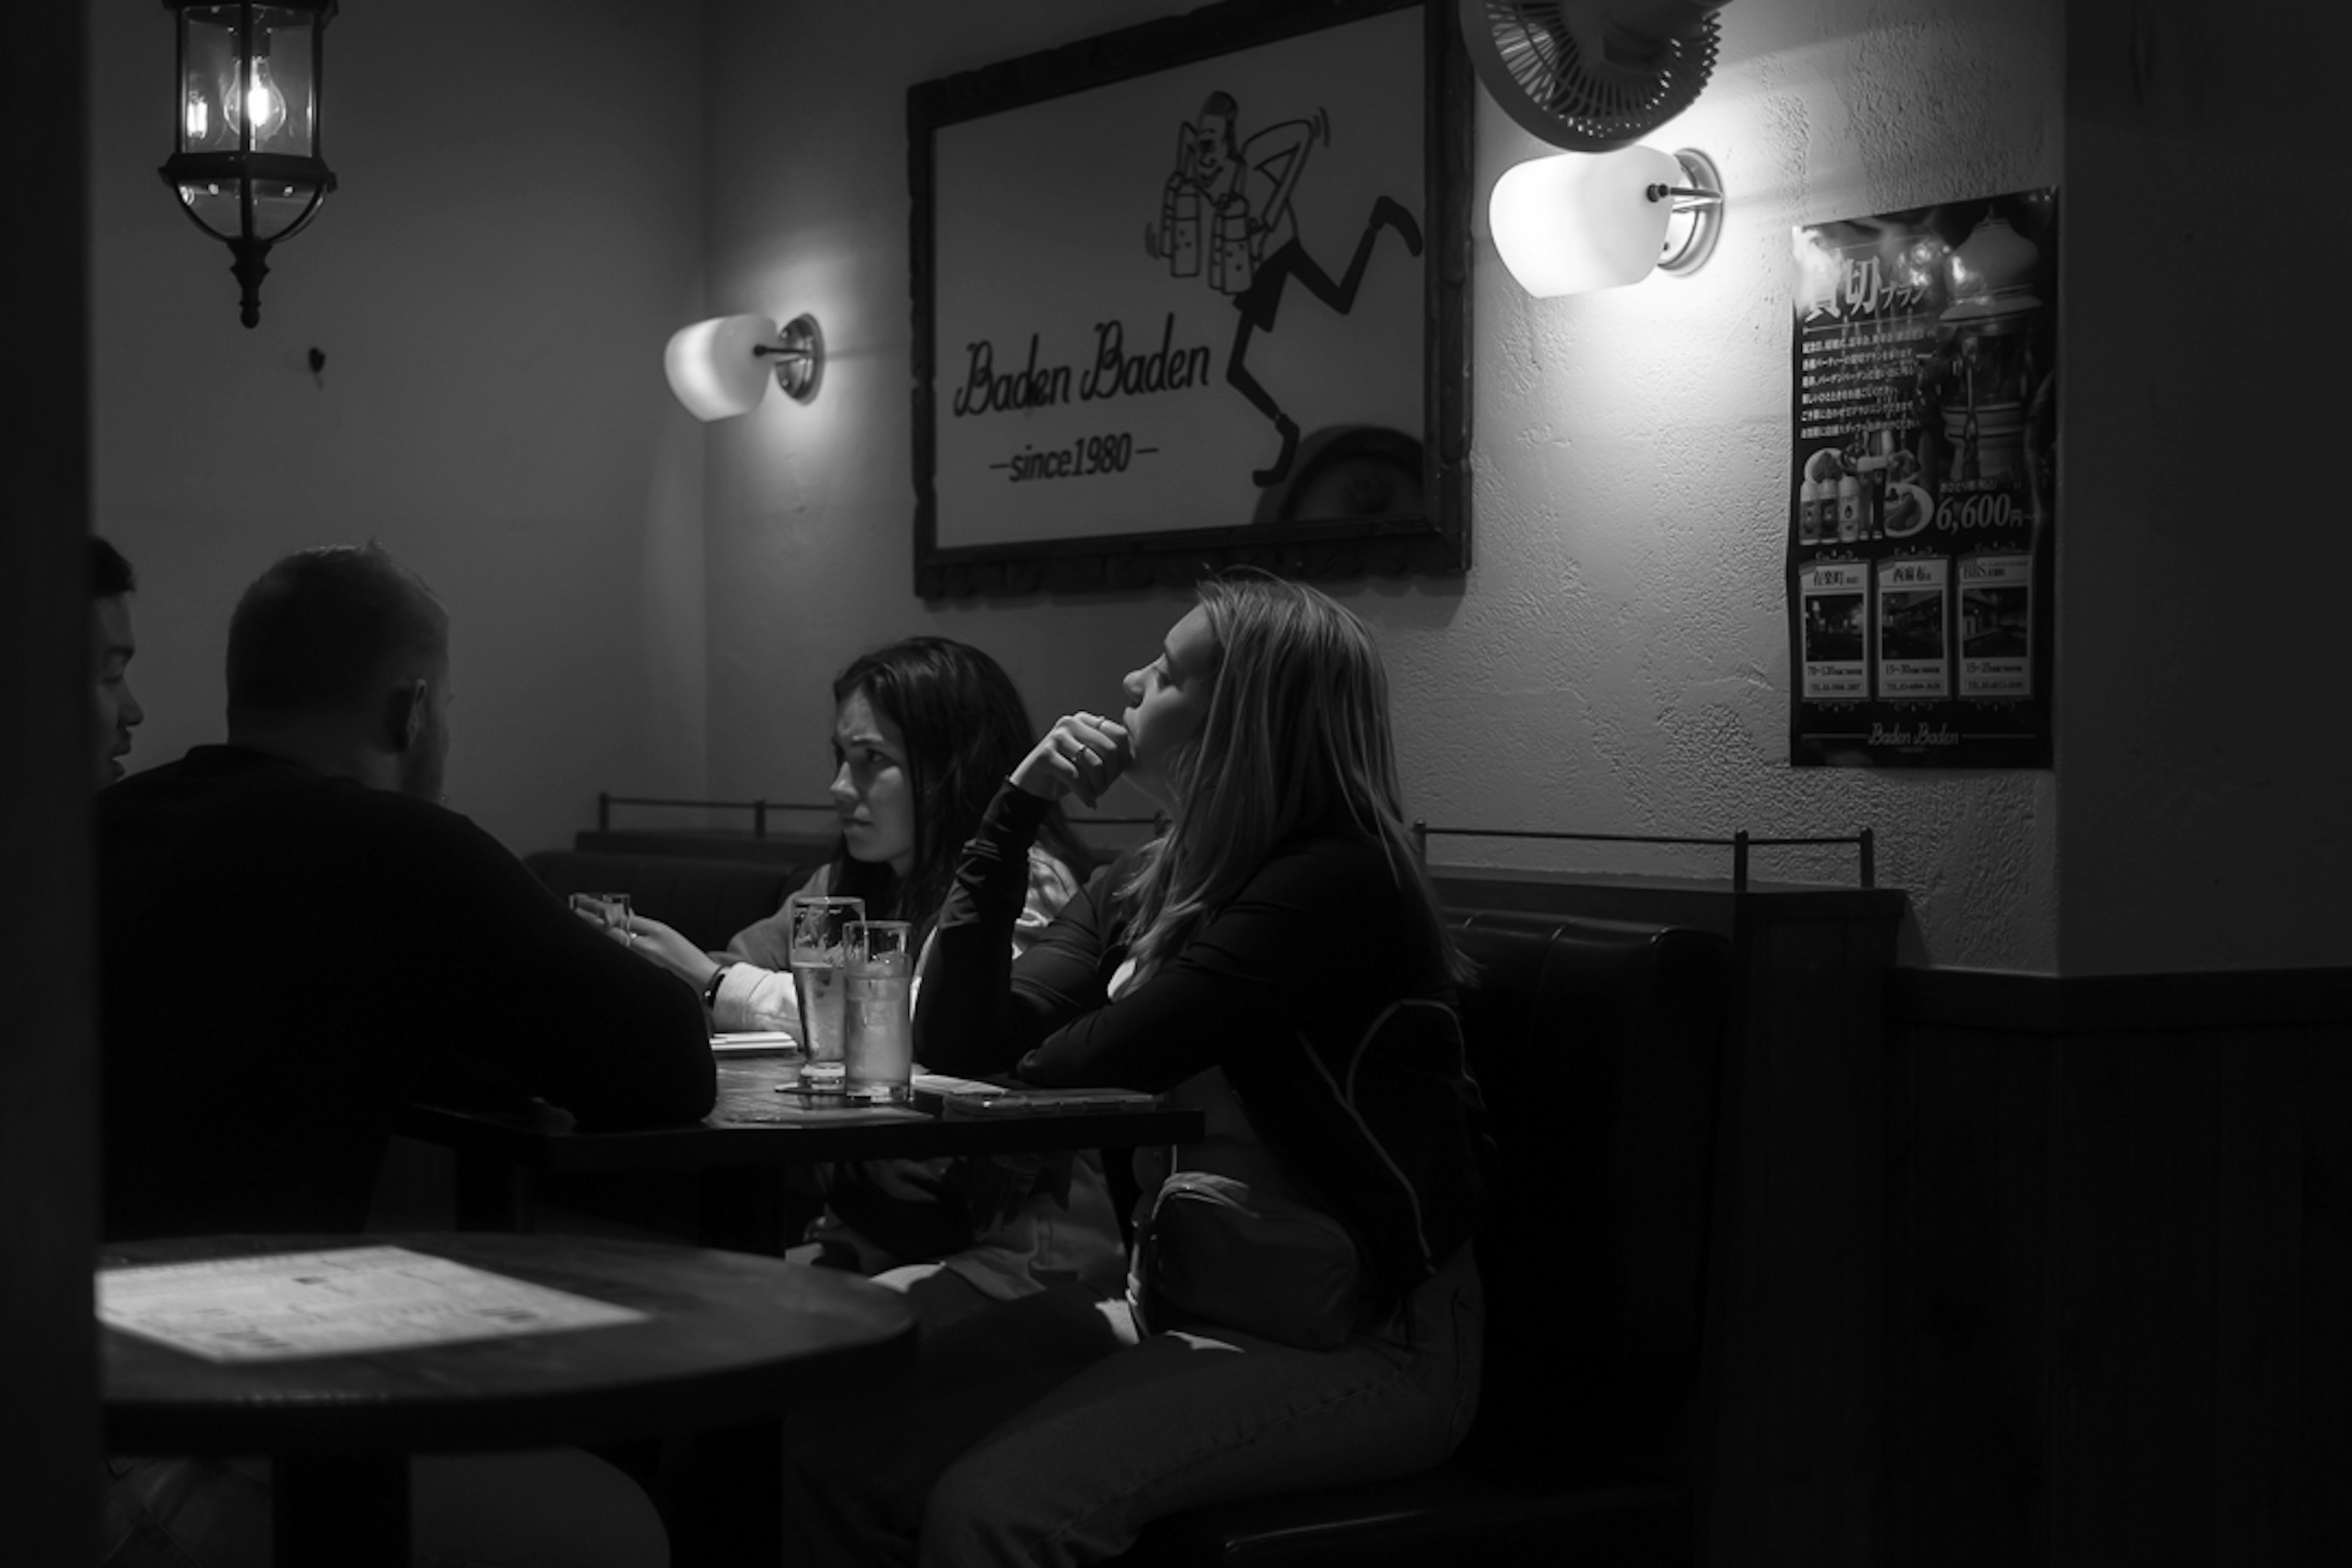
{"points": [[1303, 1309]]}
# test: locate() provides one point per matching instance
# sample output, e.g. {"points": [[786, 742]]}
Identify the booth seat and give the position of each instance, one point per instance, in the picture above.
{"points": [[1600, 1046]]}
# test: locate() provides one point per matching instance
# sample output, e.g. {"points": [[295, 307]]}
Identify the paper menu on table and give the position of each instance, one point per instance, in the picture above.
{"points": [[754, 1043], [944, 1083], [348, 1301]]}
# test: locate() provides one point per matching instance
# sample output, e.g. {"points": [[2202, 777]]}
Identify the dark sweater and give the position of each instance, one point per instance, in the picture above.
{"points": [[1320, 990], [285, 957]]}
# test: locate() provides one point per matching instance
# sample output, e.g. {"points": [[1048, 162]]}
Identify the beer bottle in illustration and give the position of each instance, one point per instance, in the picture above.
{"points": [[1180, 226]]}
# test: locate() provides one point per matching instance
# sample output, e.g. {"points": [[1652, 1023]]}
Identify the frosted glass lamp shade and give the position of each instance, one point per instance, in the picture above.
{"points": [[1577, 222], [716, 368], [720, 367]]}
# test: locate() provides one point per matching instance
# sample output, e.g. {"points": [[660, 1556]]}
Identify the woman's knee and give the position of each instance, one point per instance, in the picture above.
{"points": [[1027, 1499], [968, 1519]]}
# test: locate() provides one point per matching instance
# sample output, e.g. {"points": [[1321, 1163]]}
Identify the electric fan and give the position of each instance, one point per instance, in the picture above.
{"points": [[1591, 75]]}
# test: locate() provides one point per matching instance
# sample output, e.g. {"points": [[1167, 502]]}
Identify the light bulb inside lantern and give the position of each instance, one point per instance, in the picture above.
{"points": [[261, 104]]}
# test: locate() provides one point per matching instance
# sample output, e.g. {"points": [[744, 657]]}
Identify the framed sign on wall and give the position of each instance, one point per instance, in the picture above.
{"points": [[1195, 293]]}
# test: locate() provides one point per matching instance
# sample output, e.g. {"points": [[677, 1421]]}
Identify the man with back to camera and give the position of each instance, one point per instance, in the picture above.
{"points": [[295, 934], [112, 645]]}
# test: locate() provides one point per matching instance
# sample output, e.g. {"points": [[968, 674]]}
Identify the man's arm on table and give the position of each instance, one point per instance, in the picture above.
{"points": [[558, 1008]]}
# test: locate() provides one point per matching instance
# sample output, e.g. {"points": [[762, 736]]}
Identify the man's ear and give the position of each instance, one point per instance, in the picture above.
{"points": [[403, 715]]}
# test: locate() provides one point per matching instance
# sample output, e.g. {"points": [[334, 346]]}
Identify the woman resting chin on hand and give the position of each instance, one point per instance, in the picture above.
{"points": [[1082, 755], [1277, 960]]}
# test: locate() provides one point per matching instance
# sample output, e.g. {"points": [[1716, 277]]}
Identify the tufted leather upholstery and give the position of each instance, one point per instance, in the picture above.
{"points": [[1599, 1048], [1599, 1045], [708, 900]]}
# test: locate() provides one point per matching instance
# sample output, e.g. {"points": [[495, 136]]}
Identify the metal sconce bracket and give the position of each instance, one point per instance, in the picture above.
{"points": [[799, 353], [1697, 221]]}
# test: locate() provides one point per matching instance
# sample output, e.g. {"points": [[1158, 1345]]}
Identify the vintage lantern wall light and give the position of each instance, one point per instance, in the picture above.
{"points": [[246, 166]]}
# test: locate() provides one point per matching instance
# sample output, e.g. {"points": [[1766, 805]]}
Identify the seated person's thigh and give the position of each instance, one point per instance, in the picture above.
{"points": [[856, 1475], [1181, 1420]]}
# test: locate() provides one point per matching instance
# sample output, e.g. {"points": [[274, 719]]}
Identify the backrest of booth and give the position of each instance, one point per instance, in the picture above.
{"points": [[1599, 1046]]}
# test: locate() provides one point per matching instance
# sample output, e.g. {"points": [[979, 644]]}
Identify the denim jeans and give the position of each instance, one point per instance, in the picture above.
{"points": [[1032, 1434]]}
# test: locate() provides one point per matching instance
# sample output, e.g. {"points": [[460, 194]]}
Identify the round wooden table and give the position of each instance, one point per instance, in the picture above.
{"points": [[729, 1340]]}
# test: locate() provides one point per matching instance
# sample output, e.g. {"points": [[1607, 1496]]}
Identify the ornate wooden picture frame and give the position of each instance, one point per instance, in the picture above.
{"points": [[1191, 294]]}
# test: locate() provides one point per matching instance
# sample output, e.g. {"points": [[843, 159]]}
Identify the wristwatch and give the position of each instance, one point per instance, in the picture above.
{"points": [[710, 987]]}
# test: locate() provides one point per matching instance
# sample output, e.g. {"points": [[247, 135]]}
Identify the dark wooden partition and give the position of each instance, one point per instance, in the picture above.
{"points": [[48, 1370], [1797, 1474], [2120, 1296], [2019, 1269]]}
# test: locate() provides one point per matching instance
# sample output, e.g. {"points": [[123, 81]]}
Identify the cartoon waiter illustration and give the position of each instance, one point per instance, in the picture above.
{"points": [[1226, 210]]}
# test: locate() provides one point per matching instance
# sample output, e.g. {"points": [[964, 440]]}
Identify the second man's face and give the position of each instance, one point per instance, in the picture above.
{"points": [[118, 711]]}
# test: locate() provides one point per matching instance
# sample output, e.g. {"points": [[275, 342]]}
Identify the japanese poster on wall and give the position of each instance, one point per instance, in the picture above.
{"points": [[1923, 487]]}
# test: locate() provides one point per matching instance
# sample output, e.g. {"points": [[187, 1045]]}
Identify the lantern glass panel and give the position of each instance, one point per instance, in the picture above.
{"points": [[280, 95], [208, 59]]}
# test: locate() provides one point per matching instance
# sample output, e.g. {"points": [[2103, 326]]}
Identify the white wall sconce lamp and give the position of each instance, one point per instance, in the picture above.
{"points": [[722, 367], [245, 154], [1578, 222]]}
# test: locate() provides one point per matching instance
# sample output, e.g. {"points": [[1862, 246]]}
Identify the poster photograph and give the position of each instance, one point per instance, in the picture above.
{"points": [[1182, 298], [1923, 486]]}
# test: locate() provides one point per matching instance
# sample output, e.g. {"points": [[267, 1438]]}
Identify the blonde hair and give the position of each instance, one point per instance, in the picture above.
{"points": [[1296, 734]]}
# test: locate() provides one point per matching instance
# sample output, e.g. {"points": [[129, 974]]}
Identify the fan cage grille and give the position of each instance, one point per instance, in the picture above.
{"points": [[1601, 106]]}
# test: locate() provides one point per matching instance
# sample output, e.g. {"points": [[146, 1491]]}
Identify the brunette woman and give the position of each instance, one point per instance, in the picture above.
{"points": [[925, 731]]}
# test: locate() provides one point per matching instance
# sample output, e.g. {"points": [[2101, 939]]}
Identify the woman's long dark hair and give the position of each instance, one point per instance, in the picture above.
{"points": [[966, 729]]}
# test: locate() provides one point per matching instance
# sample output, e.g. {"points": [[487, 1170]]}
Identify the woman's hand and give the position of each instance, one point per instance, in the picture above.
{"points": [[1080, 755], [656, 944]]}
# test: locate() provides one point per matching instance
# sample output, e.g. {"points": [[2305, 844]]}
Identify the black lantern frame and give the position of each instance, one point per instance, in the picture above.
{"points": [[245, 163]]}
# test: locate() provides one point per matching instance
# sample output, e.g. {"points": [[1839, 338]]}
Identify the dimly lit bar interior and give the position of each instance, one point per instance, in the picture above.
{"points": [[1862, 1031]]}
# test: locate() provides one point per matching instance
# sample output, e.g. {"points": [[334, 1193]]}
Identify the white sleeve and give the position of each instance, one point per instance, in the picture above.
{"points": [[751, 997], [1051, 885]]}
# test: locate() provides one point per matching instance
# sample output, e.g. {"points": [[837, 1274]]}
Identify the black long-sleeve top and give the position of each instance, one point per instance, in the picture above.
{"points": [[1319, 990], [285, 957]]}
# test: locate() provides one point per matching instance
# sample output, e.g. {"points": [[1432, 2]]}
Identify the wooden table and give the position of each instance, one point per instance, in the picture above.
{"points": [[738, 1151], [728, 1342]]}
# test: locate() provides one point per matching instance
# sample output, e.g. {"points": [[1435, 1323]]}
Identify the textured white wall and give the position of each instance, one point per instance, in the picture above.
{"points": [[536, 194], [1620, 661], [1616, 660], [518, 228]]}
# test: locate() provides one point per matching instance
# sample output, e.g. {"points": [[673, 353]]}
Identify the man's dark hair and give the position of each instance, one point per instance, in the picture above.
{"points": [[110, 576], [317, 631]]}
